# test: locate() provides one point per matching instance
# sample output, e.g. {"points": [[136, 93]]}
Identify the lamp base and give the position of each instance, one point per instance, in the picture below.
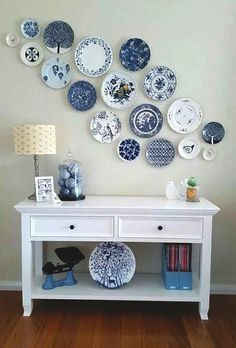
{"points": [[32, 197]]}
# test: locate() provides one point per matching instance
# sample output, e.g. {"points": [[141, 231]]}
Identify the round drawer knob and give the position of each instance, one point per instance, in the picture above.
{"points": [[72, 227], [160, 228]]}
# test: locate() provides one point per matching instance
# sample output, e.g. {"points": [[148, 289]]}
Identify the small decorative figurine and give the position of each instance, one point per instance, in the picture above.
{"points": [[176, 192], [71, 256]]}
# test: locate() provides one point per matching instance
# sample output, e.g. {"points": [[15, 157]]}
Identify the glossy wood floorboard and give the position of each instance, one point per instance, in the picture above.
{"points": [[101, 324]]}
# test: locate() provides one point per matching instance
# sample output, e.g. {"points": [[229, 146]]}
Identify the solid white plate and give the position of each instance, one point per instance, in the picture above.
{"points": [[209, 154], [184, 115], [189, 148], [12, 40]]}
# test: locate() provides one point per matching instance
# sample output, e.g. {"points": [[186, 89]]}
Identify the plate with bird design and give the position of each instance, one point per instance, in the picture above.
{"points": [[105, 127], [189, 148]]}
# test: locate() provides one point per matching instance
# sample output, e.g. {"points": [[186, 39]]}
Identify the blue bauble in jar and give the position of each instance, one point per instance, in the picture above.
{"points": [[70, 179]]}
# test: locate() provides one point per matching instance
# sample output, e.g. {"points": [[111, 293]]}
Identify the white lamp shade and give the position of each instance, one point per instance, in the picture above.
{"points": [[37, 139]]}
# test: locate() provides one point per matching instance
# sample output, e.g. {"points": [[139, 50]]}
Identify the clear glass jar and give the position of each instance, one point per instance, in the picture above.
{"points": [[70, 179]]}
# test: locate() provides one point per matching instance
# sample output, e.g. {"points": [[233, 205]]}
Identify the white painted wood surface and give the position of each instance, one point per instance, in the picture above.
{"points": [[116, 218]]}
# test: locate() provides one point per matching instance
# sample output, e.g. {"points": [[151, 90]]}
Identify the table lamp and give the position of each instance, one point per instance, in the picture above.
{"points": [[39, 139]]}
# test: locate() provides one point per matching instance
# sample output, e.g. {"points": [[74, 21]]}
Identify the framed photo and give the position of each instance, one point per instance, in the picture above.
{"points": [[44, 188]]}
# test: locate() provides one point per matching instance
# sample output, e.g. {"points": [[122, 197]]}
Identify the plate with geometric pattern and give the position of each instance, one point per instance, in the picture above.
{"points": [[160, 152]]}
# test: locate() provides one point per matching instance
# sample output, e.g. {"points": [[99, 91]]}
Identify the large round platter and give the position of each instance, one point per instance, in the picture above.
{"points": [[30, 29], [119, 90], [160, 83], [128, 149], [134, 54], [82, 95], [58, 37], [184, 115], [146, 120], [160, 152], [12, 40], [56, 72], [112, 264], [31, 54], [213, 132], [189, 148], [93, 56], [105, 127]]}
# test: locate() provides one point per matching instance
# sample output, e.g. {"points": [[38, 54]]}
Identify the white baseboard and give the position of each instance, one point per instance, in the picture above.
{"points": [[216, 289]]}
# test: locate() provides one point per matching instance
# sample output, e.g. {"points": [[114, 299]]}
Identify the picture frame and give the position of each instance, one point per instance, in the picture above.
{"points": [[44, 187]]}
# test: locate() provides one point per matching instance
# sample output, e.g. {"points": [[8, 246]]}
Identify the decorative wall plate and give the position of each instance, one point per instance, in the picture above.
{"points": [[209, 154], [12, 40], [119, 90], [31, 54], [213, 133], [82, 95], [184, 115], [189, 148], [112, 264], [159, 83], [146, 120], [93, 56], [134, 54], [160, 152], [56, 72], [128, 149], [58, 37], [105, 127], [30, 29]]}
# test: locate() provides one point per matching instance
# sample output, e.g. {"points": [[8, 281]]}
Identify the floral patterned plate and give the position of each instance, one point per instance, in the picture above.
{"points": [[119, 90], [146, 120], [184, 115], [134, 54], [56, 72], [160, 83], [30, 29], [93, 56], [105, 127], [128, 150], [112, 264], [31, 54], [82, 95]]}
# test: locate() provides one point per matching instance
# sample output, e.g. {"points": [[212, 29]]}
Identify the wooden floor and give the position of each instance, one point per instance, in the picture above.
{"points": [[72, 324]]}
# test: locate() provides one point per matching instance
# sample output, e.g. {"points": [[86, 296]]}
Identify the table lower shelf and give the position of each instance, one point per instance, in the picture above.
{"points": [[142, 287]]}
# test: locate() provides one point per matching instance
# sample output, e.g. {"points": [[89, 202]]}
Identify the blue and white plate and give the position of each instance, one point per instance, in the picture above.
{"points": [[184, 115], [160, 152], [146, 120], [128, 149], [31, 54], [112, 264], [30, 29], [105, 127], [93, 56], [134, 54], [82, 95], [160, 83], [189, 147], [58, 37], [119, 90], [213, 133], [56, 72]]}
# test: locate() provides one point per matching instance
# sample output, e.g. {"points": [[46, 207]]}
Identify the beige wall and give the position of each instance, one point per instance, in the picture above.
{"points": [[194, 38]]}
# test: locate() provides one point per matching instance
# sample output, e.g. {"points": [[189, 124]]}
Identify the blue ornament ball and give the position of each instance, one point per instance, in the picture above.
{"points": [[61, 182], [70, 183], [73, 168], [64, 174], [64, 192]]}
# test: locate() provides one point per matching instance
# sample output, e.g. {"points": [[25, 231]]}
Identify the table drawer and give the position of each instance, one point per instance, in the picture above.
{"points": [[81, 226], [154, 227]]}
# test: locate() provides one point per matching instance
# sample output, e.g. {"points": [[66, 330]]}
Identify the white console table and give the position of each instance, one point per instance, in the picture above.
{"points": [[116, 218]]}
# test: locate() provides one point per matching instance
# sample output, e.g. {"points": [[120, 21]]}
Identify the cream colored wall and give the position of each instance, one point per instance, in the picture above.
{"points": [[194, 38]]}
